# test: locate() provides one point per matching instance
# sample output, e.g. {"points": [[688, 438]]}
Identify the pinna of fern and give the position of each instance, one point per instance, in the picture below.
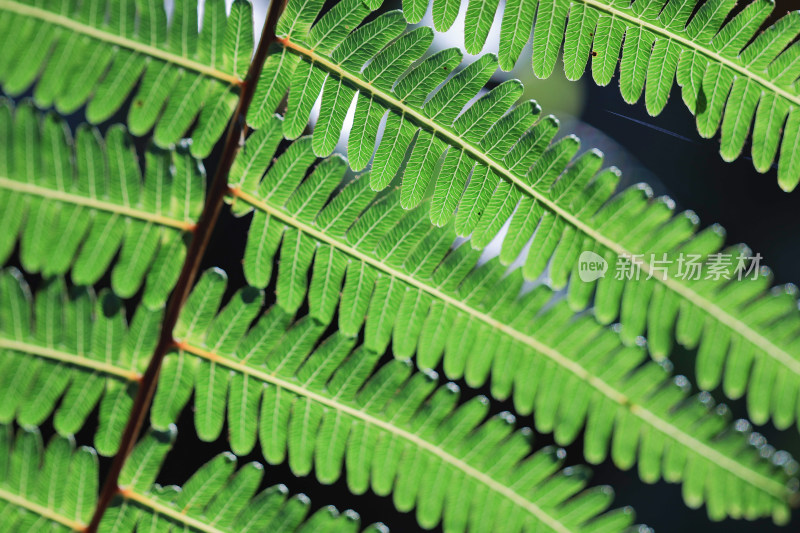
{"points": [[218, 497], [329, 407], [183, 75], [77, 349], [493, 161], [730, 73], [74, 204], [54, 488]]}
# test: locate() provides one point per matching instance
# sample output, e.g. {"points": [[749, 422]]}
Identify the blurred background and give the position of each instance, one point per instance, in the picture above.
{"points": [[664, 151]]}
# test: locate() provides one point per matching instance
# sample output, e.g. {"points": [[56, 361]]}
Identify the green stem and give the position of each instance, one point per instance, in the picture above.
{"points": [[70, 358]]}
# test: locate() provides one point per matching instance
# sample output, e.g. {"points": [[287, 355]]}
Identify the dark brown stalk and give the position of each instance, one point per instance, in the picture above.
{"points": [[200, 239]]}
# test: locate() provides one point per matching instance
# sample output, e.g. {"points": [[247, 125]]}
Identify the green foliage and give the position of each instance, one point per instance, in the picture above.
{"points": [[55, 489], [217, 498], [52, 489], [94, 54], [495, 162], [73, 347], [386, 427], [324, 405], [374, 271], [401, 281], [77, 204], [729, 72]]}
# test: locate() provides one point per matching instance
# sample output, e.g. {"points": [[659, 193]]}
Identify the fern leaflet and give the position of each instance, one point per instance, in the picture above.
{"points": [[77, 349], [54, 488], [241, 373], [216, 499], [98, 51], [75, 204], [729, 73]]}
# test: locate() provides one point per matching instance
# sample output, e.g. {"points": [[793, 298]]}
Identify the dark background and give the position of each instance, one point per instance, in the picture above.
{"points": [[750, 206]]}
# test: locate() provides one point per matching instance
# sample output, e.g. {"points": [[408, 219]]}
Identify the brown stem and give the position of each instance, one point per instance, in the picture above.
{"points": [[202, 234]]}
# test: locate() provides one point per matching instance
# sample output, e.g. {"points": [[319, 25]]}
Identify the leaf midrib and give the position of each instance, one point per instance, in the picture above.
{"points": [[93, 203], [764, 483], [167, 510], [41, 510], [69, 358], [730, 321], [131, 44], [416, 440]]}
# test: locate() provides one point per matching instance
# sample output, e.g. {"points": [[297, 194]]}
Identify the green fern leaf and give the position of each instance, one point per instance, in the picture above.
{"points": [[77, 204], [52, 488], [402, 281], [97, 53], [325, 406], [406, 267], [217, 498], [75, 348], [55, 489], [664, 42], [558, 203]]}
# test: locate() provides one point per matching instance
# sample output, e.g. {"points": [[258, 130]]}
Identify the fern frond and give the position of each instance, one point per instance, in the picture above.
{"points": [[729, 73], [77, 204], [401, 279], [98, 51], [54, 488], [217, 498], [45, 489], [73, 347], [326, 407], [491, 162]]}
